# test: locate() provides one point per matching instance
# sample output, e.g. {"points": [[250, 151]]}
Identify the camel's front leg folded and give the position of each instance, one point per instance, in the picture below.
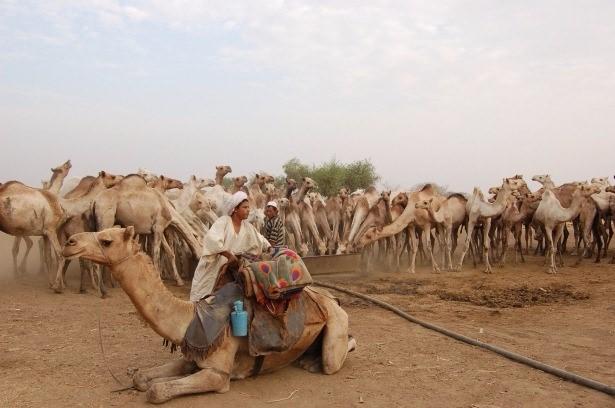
{"points": [[205, 380], [174, 368]]}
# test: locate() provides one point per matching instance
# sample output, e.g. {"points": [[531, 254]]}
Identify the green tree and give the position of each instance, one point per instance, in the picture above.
{"points": [[332, 175]]}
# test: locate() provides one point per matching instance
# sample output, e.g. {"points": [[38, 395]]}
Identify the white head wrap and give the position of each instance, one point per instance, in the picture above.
{"points": [[234, 201], [272, 204]]}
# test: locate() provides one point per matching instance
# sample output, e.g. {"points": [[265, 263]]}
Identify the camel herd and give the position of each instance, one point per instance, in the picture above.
{"points": [[171, 218]]}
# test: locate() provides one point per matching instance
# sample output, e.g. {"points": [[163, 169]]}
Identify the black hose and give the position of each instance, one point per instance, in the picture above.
{"points": [[587, 382]]}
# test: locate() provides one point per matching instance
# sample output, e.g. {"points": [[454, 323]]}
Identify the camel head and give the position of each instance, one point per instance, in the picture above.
{"points": [[512, 184], [223, 170], [147, 175], [386, 196], [200, 183], [542, 178], [261, 178], [239, 181], [283, 203], [372, 234], [308, 183], [495, 190], [166, 183], [587, 190], [203, 208], [109, 179], [343, 193], [400, 199], [610, 189], [312, 196], [269, 188], [603, 181], [62, 168], [106, 247], [424, 204]]}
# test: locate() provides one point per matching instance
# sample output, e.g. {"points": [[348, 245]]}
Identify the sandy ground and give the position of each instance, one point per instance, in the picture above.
{"points": [[50, 354]]}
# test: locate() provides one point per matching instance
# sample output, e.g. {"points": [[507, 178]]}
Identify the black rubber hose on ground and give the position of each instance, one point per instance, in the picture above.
{"points": [[587, 382]]}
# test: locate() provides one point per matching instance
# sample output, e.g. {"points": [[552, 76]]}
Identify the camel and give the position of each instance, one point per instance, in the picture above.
{"points": [[411, 219], [58, 175], [513, 219], [322, 222], [364, 202], [335, 207], [290, 213], [194, 184], [28, 211], [163, 184], [552, 215], [479, 210], [132, 202], [257, 197], [448, 215], [238, 184], [170, 317], [304, 209], [222, 171]]}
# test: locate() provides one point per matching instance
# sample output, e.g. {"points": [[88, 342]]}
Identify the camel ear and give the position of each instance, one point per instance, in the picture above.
{"points": [[161, 177], [129, 232], [431, 200], [102, 173]]}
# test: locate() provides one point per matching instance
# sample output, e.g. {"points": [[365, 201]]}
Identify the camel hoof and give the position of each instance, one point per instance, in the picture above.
{"points": [[156, 394], [57, 289], [83, 291], [140, 382]]}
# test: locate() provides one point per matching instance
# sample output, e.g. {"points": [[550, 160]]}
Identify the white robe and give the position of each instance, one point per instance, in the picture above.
{"points": [[222, 237]]}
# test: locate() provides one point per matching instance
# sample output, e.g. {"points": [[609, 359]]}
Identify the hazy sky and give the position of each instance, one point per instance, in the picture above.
{"points": [[457, 92]]}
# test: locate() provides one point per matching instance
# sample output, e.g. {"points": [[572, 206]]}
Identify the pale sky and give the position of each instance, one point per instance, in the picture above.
{"points": [[458, 92]]}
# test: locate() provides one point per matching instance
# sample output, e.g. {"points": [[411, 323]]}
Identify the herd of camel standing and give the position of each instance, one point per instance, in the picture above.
{"points": [[171, 218]]}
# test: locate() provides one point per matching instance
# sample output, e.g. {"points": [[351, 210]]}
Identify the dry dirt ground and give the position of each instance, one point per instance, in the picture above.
{"points": [[50, 354]]}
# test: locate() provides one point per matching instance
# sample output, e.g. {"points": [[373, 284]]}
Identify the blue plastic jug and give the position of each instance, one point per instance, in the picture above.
{"points": [[239, 320]]}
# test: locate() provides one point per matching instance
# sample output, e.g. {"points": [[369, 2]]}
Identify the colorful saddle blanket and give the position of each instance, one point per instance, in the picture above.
{"points": [[282, 276]]}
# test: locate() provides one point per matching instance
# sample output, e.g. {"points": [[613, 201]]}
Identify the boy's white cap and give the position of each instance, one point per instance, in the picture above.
{"points": [[272, 204]]}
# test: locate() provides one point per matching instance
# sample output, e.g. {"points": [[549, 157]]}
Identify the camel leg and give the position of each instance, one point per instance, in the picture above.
{"points": [[41, 255], [466, 245], [486, 228], [175, 368], [448, 236], [335, 343], [59, 284], [550, 248], [171, 255], [24, 260], [47, 259], [427, 245], [15, 253], [414, 249]]}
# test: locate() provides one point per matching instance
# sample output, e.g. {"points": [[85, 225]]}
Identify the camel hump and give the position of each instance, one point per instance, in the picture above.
{"points": [[457, 195], [133, 181], [11, 183]]}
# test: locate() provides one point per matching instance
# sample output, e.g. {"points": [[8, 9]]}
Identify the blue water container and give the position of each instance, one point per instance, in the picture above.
{"points": [[239, 320]]}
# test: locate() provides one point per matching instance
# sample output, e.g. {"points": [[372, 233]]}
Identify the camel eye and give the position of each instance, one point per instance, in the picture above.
{"points": [[106, 242]]}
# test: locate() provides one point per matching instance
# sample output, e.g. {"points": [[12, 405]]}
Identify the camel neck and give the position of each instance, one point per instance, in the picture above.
{"points": [[167, 315], [55, 184]]}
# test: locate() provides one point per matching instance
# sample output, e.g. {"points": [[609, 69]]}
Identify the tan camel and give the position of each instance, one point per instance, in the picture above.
{"points": [[448, 215], [163, 184], [255, 192], [552, 215], [411, 219], [133, 203], [513, 219], [335, 207], [238, 184], [322, 221], [306, 214], [170, 317], [292, 219], [363, 204], [28, 211], [58, 175], [222, 171], [479, 210]]}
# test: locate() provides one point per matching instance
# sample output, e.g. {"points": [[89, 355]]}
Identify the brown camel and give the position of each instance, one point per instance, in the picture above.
{"points": [[170, 317], [163, 184], [238, 184]]}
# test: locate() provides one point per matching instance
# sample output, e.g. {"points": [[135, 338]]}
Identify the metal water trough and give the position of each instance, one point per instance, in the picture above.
{"points": [[332, 264]]}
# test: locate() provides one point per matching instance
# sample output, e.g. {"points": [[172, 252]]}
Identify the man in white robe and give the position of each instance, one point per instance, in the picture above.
{"points": [[222, 238]]}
